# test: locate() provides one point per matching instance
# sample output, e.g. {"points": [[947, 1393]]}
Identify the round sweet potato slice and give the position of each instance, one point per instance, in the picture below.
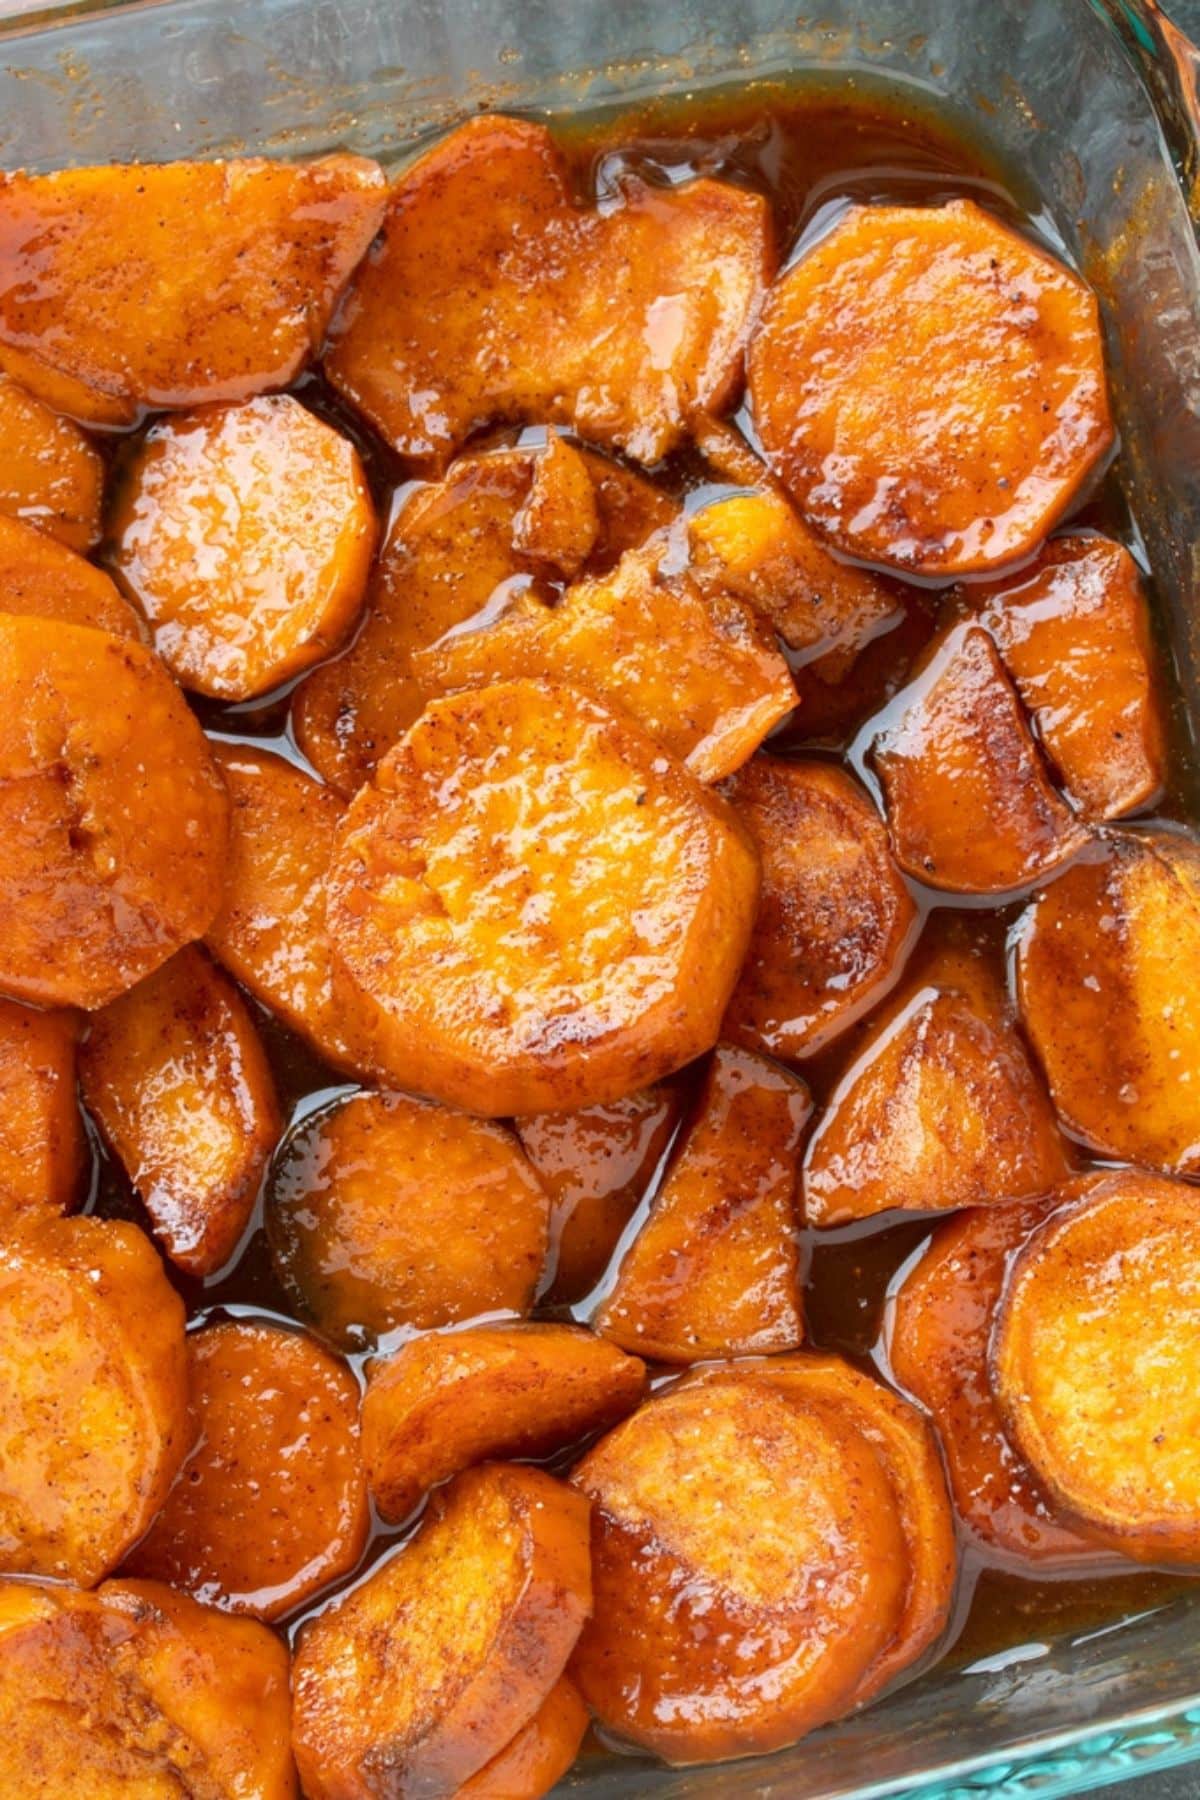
{"points": [[112, 817], [42, 1151], [40, 576], [541, 1752], [930, 387], [453, 1398], [51, 477], [1095, 1361], [537, 908], [432, 1665]]}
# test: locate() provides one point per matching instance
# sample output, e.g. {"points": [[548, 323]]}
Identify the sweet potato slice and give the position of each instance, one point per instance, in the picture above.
{"points": [[939, 1331], [940, 1109], [835, 920], [112, 816], [1106, 978], [560, 521], [749, 1567], [537, 908], [93, 1396], [162, 285], [454, 1398], [271, 1503], [930, 387], [1095, 1355], [715, 1269], [175, 1076], [41, 1133], [42, 577], [51, 477], [430, 1668], [245, 534], [385, 1211], [969, 803], [494, 295], [541, 1752]]}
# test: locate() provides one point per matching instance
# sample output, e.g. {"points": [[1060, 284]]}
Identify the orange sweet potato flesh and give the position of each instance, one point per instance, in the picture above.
{"points": [[494, 295], [539, 1755], [113, 857], [148, 286], [42, 1148], [450, 1399], [1095, 1361], [537, 909], [715, 1270], [940, 1109], [271, 1504], [749, 1567], [175, 1076], [939, 1331], [386, 1212], [930, 387], [835, 920], [433, 1664], [1106, 979], [452, 547], [93, 1396], [41, 576], [969, 803], [559, 523], [51, 477]]}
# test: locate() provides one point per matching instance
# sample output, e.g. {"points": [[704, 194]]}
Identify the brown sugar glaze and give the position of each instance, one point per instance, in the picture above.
{"points": [[810, 149]]}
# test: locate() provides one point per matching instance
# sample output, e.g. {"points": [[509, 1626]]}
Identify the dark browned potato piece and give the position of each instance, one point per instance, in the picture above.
{"points": [[41, 576], [715, 1270], [41, 1133], [453, 1398], [539, 1755], [430, 1667], [51, 477]]}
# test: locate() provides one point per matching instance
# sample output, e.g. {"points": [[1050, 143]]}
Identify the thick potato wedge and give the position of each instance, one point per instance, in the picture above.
{"points": [[93, 1396], [749, 1567], [384, 1211], [137, 1693], [541, 1752], [715, 1269], [148, 286], [494, 295], [835, 921], [939, 1329], [537, 909], [42, 577], [51, 477], [175, 1076], [271, 1503], [1106, 978], [41, 1133], [112, 816], [454, 1398], [940, 1109], [969, 803], [280, 505], [930, 387], [430, 1668], [1095, 1355]]}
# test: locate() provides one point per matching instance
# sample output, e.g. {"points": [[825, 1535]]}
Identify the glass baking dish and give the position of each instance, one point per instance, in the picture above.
{"points": [[1096, 104]]}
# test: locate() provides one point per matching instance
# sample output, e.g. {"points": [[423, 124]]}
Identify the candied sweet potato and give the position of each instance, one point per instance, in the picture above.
{"points": [[162, 285], [559, 522], [384, 1211], [930, 387], [453, 1398], [715, 1269], [41, 576], [93, 1396], [271, 1503], [495, 295], [537, 909], [175, 1076], [432, 1665], [51, 477], [41, 1133], [541, 1752]]}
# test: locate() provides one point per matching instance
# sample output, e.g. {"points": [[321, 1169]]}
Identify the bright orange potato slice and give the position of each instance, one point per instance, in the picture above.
{"points": [[969, 803], [430, 1668], [51, 477], [113, 819], [539, 1755], [1106, 978], [93, 1396], [715, 1269], [930, 387], [384, 1211], [41, 1133], [454, 1398], [494, 295], [175, 1076], [749, 1567], [40, 576], [271, 1504], [162, 285], [537, 908], [1095, 1361]]}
